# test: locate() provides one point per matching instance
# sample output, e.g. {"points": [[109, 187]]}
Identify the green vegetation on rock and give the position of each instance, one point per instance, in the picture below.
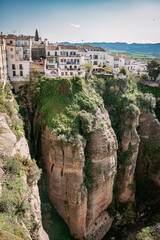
{"points": [[14, 200], [66, 105], [9, 106]]}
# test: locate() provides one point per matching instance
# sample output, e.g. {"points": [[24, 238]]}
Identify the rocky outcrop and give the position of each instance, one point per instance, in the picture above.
{"points": [[83, 208], [127, 161], [13, 145], [148, 164]]}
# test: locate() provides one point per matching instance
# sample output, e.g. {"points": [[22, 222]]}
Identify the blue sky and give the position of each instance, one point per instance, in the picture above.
{"points": [[83, 20]]}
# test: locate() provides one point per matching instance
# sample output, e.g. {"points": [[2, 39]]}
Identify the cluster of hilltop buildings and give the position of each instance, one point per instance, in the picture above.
{"points": [[20, 56]]}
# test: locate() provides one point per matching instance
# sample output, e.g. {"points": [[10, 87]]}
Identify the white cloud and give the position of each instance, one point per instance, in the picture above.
{"points": [[74, 25]]}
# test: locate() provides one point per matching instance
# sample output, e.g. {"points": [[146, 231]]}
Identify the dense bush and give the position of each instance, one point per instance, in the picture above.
{"points": [[144, 77], [145, 234], [131, 111], [123, 71], [34, 173], [148, 101], [86, 121]]}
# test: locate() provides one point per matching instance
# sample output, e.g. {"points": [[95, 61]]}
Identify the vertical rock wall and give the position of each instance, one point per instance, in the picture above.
{"points": [[84, 210], [127, 161], [148, 164]]}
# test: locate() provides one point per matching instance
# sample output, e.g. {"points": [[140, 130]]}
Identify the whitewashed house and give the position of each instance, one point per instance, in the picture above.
{"points": [[95, 55], [18, 57], [3, 60], [63, 61], [136, 67]]}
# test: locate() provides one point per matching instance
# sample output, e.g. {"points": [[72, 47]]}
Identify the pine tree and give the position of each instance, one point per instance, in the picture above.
{"points": [[36, 35]]}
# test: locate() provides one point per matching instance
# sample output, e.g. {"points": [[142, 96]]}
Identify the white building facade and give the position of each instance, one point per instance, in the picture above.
{"points": [[63, 61], [18, 57], [116, 62], [3, 60], [95, 55], [68, 60]]}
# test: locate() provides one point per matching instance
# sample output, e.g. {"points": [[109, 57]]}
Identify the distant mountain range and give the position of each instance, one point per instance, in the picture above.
{"points": [[118, 46]]}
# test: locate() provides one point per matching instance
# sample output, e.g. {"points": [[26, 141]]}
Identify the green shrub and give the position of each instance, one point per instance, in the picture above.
{"points": [[63, 139], [65, 86], [131, 111], [86, 121], [123, 71], [76, 140], [34, 173], [8, 201], [129, 213], [13, 165], [148, 101], [11, 231], [17, 127], [144, 77], [145, 234]]}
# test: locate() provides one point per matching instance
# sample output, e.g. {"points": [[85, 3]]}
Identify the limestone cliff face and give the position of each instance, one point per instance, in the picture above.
{"points": [[127, 161], [84, 210], [12, 145], [148, 164]]}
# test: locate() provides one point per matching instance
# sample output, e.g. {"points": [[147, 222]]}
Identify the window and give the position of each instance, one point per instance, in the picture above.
{"points": [[55, 53], [79, 73], [95, 56], [64, 60], [66, 73], [48, 53], [11, 49], [50, 66], [21, 73], [11, 42], [116, 66], [95, 63], [12, 56], [62, 73], [20, 66], [71, 73], [61, 60], [75, 67], [14, 73], [77, 60], [13, 67]]}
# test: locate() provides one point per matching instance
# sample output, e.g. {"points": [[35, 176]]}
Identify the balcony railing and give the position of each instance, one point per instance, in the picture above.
{"points": [[75, 62]]}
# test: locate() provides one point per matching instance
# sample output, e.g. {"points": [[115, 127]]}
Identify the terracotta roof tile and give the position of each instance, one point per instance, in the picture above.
{"points": [[92, 47], [68, 47], [51, 47]]}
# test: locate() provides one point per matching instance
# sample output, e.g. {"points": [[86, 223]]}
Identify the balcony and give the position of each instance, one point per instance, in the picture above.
{"points": [[75, 62]]}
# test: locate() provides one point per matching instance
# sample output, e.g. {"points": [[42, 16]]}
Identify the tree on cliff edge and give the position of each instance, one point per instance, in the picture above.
{"points": [[153, 69], [36, 35]]}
